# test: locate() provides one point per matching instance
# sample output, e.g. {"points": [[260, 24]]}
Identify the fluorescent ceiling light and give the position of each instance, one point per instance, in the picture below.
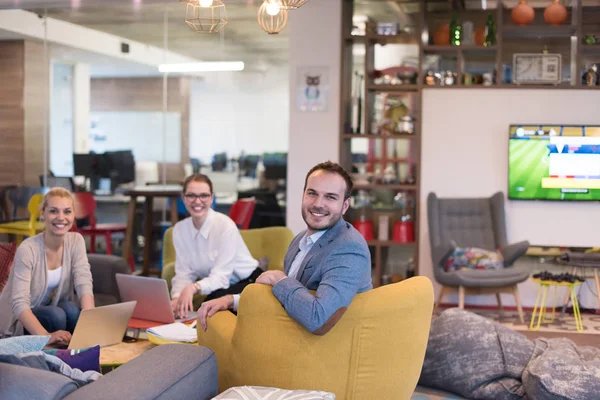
{"points": [[203, 67]]}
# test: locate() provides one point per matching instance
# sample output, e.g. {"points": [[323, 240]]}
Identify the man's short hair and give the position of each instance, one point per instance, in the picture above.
{"points": [[334, 168]]}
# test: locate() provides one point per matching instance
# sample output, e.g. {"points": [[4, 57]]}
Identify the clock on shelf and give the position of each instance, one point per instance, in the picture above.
{"points": [[535, 68]]}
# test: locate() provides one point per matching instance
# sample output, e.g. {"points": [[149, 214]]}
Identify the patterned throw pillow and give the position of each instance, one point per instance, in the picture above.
{"points": [[262, 393], [87, 359], [473, 258], [22, 344]]}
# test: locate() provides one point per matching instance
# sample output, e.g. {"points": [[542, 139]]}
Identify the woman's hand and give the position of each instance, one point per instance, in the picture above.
{"points": [[60, 337], [185, 303]]}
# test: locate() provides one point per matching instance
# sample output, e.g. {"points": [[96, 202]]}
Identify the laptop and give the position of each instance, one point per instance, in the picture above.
{"points": [[152, 296], [102, 326]]}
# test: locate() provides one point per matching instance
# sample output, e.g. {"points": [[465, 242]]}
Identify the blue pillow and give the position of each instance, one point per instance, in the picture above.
{"points": [[22, 344]]}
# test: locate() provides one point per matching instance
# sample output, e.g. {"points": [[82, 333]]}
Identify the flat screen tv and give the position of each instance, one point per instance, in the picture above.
{"points": [[554, 162]]}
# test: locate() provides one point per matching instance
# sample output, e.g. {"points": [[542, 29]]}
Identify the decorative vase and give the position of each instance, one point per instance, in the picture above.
{"points": [[555, 13], [479, 36], [441, 36], [522, 14]]}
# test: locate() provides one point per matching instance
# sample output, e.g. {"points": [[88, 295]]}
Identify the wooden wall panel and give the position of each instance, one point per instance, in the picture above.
{"points": [[11, 112], [35, 100], [145, 94]]}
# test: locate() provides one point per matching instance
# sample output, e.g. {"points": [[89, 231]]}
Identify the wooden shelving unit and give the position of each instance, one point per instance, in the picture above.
{"points": [[566, 39]]}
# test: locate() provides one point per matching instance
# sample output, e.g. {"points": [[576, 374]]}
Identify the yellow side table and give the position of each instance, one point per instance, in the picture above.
{"points": [[541, 308]]}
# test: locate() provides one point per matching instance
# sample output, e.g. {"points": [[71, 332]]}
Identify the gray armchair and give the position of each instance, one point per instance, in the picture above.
{"points": [[474, 222]]}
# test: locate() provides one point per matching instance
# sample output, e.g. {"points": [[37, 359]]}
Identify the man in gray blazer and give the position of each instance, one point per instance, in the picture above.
{"points": [[330, 257]]}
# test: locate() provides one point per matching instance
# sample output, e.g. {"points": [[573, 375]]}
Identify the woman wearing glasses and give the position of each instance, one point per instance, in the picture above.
{"points": [[211, 256]]}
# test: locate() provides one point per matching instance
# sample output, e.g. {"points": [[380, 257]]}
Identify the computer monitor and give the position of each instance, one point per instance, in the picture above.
{"points": [[275, 165], [219, 162], [83, 164], [121, 166]]}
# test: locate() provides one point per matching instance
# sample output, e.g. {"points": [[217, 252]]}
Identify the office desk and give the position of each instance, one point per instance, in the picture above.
{"points": [[149, 193]]}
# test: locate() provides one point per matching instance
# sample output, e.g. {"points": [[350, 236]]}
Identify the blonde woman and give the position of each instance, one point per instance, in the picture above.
{"points": [[48, 268]]}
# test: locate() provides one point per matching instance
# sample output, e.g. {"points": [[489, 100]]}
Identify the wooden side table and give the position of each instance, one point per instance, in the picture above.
{"points": [[149, 193]]}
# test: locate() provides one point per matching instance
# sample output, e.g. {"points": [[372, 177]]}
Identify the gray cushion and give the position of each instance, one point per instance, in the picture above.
{"points": [[485, 278], [474, 357], [170, 371], [18, 382]]}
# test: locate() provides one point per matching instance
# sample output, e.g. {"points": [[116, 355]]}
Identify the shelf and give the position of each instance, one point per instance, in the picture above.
{"points": [[539, 31], [590, 49], [384, 186], [370, 136], [393, 39], [456, 49], [393, 88], [388, 243], [511, 86], [355, 38]]}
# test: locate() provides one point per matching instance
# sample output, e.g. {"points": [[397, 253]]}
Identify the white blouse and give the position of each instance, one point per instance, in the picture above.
{"points": [[53, 281]]}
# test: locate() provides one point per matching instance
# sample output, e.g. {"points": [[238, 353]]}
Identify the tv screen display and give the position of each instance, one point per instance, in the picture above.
{"points": [[554, 162]]}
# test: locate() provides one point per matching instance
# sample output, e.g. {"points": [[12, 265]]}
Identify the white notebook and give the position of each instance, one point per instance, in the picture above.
{"points": [[176, 331]]}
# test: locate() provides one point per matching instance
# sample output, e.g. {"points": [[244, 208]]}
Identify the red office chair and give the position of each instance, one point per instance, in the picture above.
{"points": [[85, 207], [241, 212]]}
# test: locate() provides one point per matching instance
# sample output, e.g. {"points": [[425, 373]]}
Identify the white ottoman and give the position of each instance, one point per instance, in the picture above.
{"points": [[264, 393]]}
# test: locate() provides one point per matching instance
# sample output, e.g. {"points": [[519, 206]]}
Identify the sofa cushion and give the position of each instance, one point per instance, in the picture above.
{"points": [[22, 344], [473, 258], [261, 392]]}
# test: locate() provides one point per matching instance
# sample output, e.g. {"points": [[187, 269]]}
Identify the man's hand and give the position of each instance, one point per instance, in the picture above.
{"points": [[185, 301], [271, 277], [210, 308]]}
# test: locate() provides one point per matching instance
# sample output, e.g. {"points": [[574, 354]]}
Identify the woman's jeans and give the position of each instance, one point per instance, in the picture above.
{"points": [[61, 317]]}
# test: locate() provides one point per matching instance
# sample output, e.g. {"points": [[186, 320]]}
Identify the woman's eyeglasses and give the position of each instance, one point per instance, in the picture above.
{"points": [[193, 196]]}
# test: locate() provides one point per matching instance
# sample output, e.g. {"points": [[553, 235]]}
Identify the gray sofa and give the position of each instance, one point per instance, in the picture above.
{"points": [[170, 371], [104, 267]]}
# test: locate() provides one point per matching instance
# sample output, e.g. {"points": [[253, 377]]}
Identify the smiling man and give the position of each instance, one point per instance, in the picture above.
{"points": [[329, 258]]}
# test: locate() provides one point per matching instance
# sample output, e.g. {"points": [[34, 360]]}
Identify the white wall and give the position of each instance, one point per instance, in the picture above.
{"points": [[61, 120], [315, 31], [465, 153], [235, 111]]}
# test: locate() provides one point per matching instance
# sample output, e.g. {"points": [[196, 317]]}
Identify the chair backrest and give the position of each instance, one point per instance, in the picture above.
{"points": [[34, 206], [7, 254], [241, 212], [85, 207], [19, 196], [375, 351]]}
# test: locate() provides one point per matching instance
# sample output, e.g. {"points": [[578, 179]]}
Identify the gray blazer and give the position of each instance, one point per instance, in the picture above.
{"points": [[28, 279], [338, 266]]}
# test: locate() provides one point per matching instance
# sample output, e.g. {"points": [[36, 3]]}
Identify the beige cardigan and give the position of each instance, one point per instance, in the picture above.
{"points": [[28, 279]]}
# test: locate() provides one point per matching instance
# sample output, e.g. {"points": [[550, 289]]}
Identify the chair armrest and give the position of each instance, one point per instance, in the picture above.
{"points": [[218, 337], [441, 253], [513, 251], [170, 371]]}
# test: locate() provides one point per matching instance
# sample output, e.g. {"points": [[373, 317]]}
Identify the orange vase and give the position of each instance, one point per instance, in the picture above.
{"points": [[442, 35], [479, 36], [522, 14], [555, 13]]}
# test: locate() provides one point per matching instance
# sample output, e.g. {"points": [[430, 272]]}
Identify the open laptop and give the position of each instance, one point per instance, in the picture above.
{"points": [[152, 296], [102, 326]]}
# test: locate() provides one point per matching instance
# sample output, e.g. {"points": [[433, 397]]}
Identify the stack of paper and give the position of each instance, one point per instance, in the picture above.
{"points": [[176, 331]]}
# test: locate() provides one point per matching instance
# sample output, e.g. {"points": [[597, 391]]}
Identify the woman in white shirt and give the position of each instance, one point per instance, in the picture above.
{"points": [[210, 254], [48, 269]]}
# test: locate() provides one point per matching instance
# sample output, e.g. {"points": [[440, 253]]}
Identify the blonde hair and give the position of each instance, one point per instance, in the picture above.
{"points": [[56, 192]]}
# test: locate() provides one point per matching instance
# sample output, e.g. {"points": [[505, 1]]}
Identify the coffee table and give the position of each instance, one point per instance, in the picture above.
{"points": [[118, 354]]}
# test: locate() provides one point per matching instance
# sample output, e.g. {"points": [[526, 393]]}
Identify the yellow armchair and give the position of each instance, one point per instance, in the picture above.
{"points": [[271, 242], [375, 351]]}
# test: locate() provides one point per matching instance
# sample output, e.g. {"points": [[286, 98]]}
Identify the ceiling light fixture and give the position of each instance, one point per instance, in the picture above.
{"points": [[206, 16], [216, 66], [271, 21], [292, 4]]}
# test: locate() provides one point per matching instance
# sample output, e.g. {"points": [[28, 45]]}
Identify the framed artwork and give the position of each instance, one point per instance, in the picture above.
{"points": [[312, 89]]}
